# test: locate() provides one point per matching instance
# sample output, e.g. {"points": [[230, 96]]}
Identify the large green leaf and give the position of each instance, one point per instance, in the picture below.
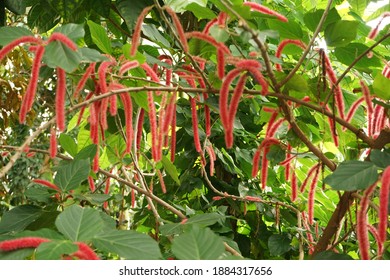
{"points": [[353, 175], [128, 244], [18, 218], [65, 7], [59, 55], [87, 152], [99, 37], [341, 33], [201, 12], [43, 17], [381, 87], [54, 250], [79, 224], [91, 55], [130, 10], [292, 30], [279, 244], [74, 32], [312, 19], [350, 52], [11, 33], [359, 6], [171, 169], [16, 6], [21, 254], [206, 219], [198, 244], [68, 144], [380, 159], [180, 6], [70, 176]]}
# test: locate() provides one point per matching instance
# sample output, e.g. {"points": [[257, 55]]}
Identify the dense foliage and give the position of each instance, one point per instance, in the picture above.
{"points": [[202, 129]]}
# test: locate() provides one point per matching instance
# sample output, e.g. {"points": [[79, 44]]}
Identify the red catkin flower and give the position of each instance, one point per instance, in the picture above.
{"points": [[47, 184], [173, 136], [264, 10], [53, 143], [294, 186], [383, 205], [244, 63], [153, 125], [56, 36], [91, 183], [256, 158], [195, 125], [220, 64], [361, 228], [272, 130], [22, 40], [21, 243], [85, 252], [210, 24], [367, 98], [374, 31], [162, 183], [28, 99], [103, 114], [137, 30], [308, 233], [60, 99], [282, 45], [353, 108], [312, 194], [128, 66], [207, 38], [128, 107], [102, 70], [81, 84], [113, 105], [139, 128], [212, 157], [386, 70], [374, 232], [179, 28], [95, 164], [264, 168]]}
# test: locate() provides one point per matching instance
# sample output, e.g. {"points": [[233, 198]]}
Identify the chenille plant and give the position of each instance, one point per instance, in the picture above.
{"points": [[241, 129]]}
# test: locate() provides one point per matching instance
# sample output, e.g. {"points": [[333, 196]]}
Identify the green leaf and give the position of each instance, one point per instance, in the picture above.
{"points": [[70, 176], [11, 33], [38, 193], [171, 169], [101, 7], [359, 6], [297, 83], [219, 34], [21, 254], [55, 249], [65, 7], [59, 55], [350, 52], [381, 87], [378, 12], [154, 34], [201, 12], [91, 55], [341, 33], [128, 244], [198, 244], [18, 218], [181, 6], [68, 144], [380, 159], [206, 219], [312, 19], [16, 6], [292, 30], [171, 229], [79, 224], [353, 175], [86, 153], [279, 244], [99, 37], [329, 255], [44, 233], [130, 10], [42, 17], [73, 31]]}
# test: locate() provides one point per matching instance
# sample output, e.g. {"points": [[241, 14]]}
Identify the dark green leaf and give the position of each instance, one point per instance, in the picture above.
{"points": [[206, 219], [21, 254], [11, 33], [79, 224], [312, 19], [171, 229], [201, 12], [43, 17], [73, 31], [279, 244], [70, 176], [54, 250], [292, 30], [44, 233], [86, 153], [381, 87], [349, 53], [101, 7], [18, 218], [65, 7], [16, 6], [59, 55], [171, 170], [68, 144], [198, 244], [352, 176], [380, 158], [99, 37], [130, 10], [329, 255], [46, 220], [341, 33], [38, 193], [91, 55], [128, 244]]}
